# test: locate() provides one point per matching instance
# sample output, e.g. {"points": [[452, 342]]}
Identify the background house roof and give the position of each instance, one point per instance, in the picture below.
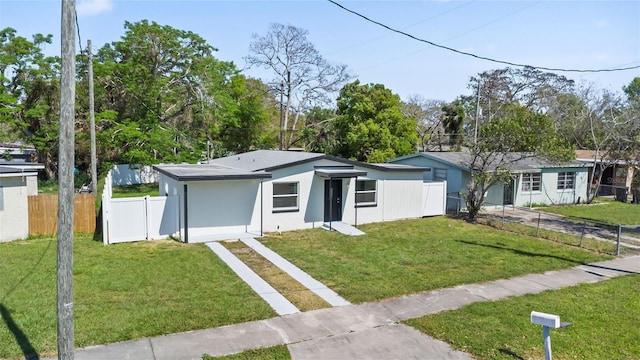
{"points": [[11, 171], [461, 159]]}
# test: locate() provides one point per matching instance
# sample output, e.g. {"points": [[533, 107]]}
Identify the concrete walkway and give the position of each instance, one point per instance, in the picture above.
{"points": [[365, 331], [278, 303], [300, 276]]}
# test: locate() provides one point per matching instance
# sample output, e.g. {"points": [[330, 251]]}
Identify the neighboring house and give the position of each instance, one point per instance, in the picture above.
{"points": [[18, 180], [534, 181], [270, 190], [16, 152], [616, 174]]}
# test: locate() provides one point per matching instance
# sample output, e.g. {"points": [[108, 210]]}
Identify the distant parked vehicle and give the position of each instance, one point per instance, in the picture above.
{"points": [[85, 189]]}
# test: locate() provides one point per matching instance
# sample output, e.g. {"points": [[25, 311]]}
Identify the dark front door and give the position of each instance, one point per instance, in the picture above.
{"points": [[507, 194], [333, 200]]}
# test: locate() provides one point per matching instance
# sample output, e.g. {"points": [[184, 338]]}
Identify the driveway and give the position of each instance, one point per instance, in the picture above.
{"points": [[559, 223]]}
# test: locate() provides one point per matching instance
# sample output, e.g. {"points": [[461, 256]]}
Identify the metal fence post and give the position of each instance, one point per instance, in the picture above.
{"points": [[502, 226], [584, 226], [618, 244], [538, 227]]}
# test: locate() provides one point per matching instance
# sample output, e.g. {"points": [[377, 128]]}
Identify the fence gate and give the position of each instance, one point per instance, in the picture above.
{"points": [[434, 198], [138, 218]]}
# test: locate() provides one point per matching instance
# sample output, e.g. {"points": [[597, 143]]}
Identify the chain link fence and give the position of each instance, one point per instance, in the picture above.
{"points": [[598, 236]]}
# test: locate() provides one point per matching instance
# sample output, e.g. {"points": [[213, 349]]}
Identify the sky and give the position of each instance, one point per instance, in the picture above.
{"points": [[554, 34]]}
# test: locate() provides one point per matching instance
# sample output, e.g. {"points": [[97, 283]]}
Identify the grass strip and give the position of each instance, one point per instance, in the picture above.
{"points": [[303, 298], [136, 190], [604, 317], [610, 212], [280, 352]]}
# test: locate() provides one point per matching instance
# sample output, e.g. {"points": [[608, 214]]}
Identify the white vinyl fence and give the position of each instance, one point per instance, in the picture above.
{"points": [[137, 218], [434, 198]]}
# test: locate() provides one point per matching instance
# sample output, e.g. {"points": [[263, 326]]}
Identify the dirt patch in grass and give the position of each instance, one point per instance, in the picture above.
{"points": [[303, 298]]}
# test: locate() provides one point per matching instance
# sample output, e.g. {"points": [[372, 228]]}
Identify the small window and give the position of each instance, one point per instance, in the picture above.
{"points": [[366, 193], [531, 181], [285, 197], [566, 180], [439, 174]]}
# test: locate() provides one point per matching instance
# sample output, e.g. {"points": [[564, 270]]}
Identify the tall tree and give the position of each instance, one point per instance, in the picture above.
{"points": [[519, 134], [428, 114], [453, 116], [527, 87], [301, 75], [318, 135], [164, 97], [29, 96], [370, 125]]}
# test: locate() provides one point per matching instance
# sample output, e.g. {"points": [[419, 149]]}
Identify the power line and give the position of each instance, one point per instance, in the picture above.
{"points": [[475, 55]]}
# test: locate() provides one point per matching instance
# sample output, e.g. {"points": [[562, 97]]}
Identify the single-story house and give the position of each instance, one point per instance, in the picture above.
{"points": [[16, 152], [616, 174], [18, 180], [534, 180], [270, 190]]}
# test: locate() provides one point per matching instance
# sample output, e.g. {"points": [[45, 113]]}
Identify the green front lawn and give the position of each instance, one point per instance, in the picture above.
{"points": [[122, 292], [404, 257], [604, 316], [610, 212]]}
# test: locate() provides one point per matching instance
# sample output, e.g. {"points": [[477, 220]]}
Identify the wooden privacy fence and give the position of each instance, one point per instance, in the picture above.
{"points": [[43, 214]]}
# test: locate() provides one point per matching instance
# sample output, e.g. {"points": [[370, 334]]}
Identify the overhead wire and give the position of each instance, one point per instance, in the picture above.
{"points": [[480, 57], [408, 26]]}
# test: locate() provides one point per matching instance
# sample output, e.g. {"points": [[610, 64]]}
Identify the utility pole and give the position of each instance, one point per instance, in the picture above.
{"points": [[92, 121], [65, 183], [475, 135]]}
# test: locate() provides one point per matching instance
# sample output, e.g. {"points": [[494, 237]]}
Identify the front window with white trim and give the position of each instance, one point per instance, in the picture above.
{"points": [[285, 196], [566, 180], [366, 193], [531, 181]]}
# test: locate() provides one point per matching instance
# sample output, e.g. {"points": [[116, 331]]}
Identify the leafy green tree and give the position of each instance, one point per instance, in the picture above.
{"points": [[370, 125], [520, 134], [164, 97], [29, 96]]}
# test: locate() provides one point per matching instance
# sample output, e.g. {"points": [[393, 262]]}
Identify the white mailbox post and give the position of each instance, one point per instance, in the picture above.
{"points": [[547, 321]]}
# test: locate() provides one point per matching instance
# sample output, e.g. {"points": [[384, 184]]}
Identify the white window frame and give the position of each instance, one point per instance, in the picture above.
{"points": [[360, 192], [295, 195], [566, 180], [530, 183]]}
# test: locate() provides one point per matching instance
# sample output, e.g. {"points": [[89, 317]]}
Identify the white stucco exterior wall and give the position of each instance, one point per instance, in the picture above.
{"points": [[236, 206], [14, 208]]}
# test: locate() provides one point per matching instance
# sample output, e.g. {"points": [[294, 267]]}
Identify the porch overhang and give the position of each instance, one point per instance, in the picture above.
{"points": [[339, 173]]}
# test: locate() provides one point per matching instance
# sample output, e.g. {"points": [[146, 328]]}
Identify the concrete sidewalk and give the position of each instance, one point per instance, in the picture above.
{"points": [[365, 331]]}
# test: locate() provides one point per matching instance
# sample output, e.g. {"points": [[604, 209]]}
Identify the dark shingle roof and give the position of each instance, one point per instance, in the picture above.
{"points": [[517, 162]]}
